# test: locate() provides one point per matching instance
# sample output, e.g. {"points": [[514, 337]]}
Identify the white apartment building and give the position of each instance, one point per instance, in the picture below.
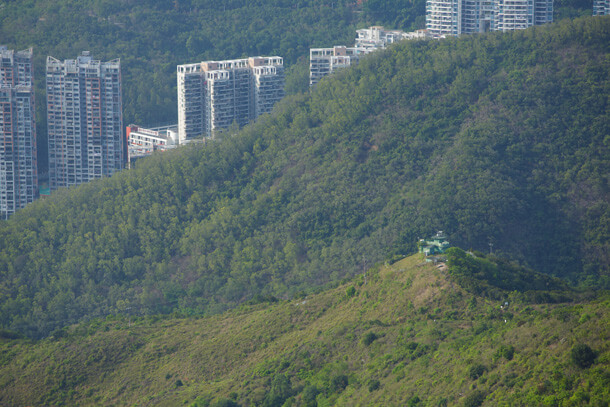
{"points": [[443, 17], [455, 17], [18, 162], [84, 120], [142, 142], [323, 61], [601, 7], [215, 94], [190, 102], [377, 37], [268, 77]]}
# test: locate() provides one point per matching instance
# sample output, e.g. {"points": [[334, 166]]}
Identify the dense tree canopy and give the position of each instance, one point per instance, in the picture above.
{"points": [[499, 138]]}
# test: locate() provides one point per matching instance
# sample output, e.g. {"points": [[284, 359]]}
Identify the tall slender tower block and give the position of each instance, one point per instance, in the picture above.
{"points": [[84, 119], [18, 162]]}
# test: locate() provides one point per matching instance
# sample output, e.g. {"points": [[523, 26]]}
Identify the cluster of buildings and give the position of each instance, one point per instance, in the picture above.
{"points": [[84, 122], [323, 61], [444, 18], [85, 119], [84, 106], [143, 142]]}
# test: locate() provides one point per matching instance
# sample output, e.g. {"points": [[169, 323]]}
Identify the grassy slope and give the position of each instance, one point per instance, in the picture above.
{"points": [[430, 333]]}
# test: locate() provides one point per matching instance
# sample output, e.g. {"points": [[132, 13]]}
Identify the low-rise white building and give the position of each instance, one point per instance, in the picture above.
{"points": [[323, 61], [377, 37], [142, 142]]}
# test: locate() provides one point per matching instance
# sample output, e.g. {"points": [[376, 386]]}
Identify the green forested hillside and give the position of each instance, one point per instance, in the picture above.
{"points": [[405, 335], [499, 138]]}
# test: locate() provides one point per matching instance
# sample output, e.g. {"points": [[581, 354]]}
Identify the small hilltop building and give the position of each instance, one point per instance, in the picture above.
{"points": [[436, 245]]}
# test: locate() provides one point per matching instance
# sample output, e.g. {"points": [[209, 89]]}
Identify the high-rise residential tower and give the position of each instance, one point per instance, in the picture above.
{"points": [[456, 17], [443, 17], [215, 94], [84, 119], [601, 7], [18, 169]]}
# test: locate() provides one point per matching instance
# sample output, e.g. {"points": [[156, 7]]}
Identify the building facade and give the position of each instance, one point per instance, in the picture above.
{"points": [[213, 95], [84, 120], [443, 17], [601, 7], [455, 17], [323, 61], [437, 244], [376, 37], [142, 142], [18, 162]]}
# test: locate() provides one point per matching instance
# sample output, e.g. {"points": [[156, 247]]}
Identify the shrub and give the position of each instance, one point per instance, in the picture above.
{"points": [[510, 380], [476, 371], [260, 298], [281, 390], [201, 402], [350, 292], [374, 385], [225, 403], [7, 334], [414, 401], [339, 382], [475, 399], [506, 352], [369, 338], [309, 395], [583, 356]]}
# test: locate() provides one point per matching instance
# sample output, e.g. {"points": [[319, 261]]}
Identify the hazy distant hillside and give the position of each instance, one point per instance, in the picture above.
{"points": [[151, 37], [497, 138], [406, 335]]}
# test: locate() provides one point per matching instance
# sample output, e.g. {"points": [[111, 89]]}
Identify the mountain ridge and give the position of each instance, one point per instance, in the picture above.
{"points": [[407, 334]]}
